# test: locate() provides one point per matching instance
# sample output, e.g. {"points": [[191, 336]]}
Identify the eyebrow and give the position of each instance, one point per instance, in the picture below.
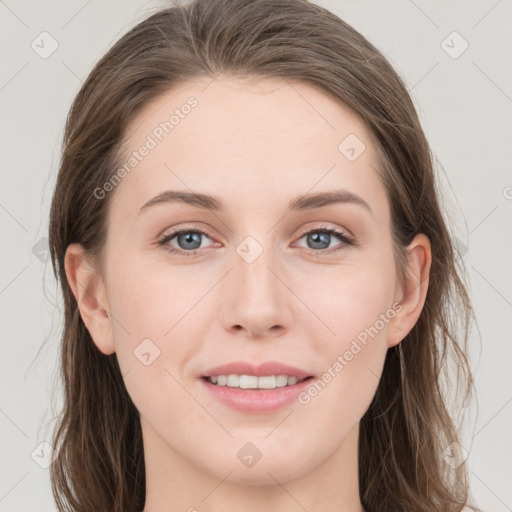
{"points": [[301, 202]]}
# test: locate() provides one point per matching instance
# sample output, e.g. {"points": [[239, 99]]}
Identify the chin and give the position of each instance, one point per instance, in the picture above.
{"points": [[272, 467], [261, 475]]}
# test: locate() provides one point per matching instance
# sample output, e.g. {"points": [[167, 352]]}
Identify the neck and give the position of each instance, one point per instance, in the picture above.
{"points": [[174, 483]]}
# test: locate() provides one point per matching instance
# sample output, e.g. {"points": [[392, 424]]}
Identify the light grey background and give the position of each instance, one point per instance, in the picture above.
{"points": [[465, 105]]}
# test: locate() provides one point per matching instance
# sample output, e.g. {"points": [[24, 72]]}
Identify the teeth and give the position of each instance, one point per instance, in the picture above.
{"points": [[282, 380], [244, 381], [254, 382]]}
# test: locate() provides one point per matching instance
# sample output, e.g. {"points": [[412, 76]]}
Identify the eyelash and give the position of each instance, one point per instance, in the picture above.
{"points": [[346, 239]]}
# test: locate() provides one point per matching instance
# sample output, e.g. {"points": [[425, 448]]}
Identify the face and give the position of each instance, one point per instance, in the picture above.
{"points": [[263, 273]]}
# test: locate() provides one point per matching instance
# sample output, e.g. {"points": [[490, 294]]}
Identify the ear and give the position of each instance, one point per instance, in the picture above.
{"points": [[90, 293], [412, 293]]}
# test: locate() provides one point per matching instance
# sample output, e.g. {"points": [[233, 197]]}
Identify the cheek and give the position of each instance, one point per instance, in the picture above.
{"points": [[357, 308], [351, 300], [150, 299], [156, 325], [150, 308]]}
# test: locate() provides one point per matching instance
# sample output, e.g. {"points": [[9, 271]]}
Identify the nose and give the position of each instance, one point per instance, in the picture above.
{"points": [[258, 301]]}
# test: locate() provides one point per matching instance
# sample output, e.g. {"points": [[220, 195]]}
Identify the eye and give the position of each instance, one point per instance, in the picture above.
{"points": [[188, 239], [321, 238]]}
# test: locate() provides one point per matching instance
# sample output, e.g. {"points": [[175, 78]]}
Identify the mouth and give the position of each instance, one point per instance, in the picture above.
{"points": [[255, 382], [252, 388]]}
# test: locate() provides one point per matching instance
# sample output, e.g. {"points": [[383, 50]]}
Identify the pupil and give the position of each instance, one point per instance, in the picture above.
{"points": [[190, 238], [319, 238]]}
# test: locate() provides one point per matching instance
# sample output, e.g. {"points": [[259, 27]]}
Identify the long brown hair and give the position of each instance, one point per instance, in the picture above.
{"points": [[99, 464]]}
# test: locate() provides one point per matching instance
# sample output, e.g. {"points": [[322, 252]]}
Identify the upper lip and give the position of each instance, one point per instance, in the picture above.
{"points": [[266, 368]]}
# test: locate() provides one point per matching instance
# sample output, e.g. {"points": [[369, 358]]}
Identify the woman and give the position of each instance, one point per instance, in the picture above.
{"points": [[260, 288]]}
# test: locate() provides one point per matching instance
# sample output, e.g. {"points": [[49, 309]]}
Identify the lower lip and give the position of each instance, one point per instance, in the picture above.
{"points": [[257, 400]]}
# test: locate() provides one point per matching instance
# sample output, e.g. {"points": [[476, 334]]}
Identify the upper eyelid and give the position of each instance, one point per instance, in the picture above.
{"points": [[329, 226], [177, 231]]}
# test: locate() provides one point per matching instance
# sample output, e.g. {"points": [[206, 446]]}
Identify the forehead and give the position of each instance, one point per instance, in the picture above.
{"points": [[247, 140]]}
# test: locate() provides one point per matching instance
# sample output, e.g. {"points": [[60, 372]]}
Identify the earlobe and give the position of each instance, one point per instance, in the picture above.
{"points": [[89, 291], [412, 294]]}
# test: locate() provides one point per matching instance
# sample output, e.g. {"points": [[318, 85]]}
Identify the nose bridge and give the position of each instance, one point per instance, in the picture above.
{"points": [[258, 300], [255, 281]]}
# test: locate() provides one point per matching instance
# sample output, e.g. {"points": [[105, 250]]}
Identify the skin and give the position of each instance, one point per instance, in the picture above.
{"points": [[255, 145]]}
